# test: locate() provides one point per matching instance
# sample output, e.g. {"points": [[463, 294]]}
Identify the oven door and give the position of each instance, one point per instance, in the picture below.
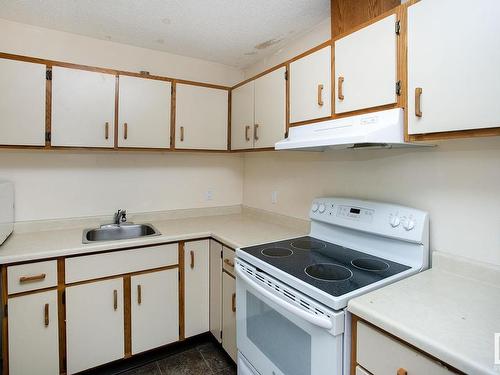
{"points": [[282, 332]]}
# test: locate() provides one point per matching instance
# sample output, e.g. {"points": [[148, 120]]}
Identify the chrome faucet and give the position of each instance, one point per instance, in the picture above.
{"points": [[120, 217]]}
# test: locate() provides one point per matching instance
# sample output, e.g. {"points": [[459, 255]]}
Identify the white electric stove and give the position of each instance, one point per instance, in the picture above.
{"points": [[292, 294]]}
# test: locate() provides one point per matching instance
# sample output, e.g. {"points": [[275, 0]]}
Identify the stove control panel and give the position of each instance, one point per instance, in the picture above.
{"points": [[355, 213]]}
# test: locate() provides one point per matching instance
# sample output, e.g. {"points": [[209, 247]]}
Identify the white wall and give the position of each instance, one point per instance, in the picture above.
{"points": [[22, 39], [72, 184]]}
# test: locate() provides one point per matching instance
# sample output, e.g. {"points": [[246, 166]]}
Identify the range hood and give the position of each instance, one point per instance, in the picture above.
{"points": [[384, 129]]}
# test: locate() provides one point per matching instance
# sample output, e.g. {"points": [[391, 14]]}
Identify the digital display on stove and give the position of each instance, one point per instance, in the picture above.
{"points": [[356, 211]]}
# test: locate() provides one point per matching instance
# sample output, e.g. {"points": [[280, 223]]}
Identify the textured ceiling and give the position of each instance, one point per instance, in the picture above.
{"points": [[232, 32]]}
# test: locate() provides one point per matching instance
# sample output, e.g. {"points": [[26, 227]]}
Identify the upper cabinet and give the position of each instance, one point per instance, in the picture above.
{"points": [[366, 67], [83, 108], [201, 116], [453, 60], [22, 103], [144, 112], [310, 86], [258, 112]]}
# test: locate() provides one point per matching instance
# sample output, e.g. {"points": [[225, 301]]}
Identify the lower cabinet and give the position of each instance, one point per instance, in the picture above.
{"points": [[94, 324], [229, 315], [33, 334], [155, 309]]}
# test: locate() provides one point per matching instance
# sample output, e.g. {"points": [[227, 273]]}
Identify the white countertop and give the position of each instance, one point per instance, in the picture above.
{"points": [[443, 312], [234, 230]]}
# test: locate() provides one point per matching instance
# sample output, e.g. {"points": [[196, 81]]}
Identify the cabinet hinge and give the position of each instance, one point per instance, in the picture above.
{"points": [[221, 254], [63, 297], [48, 75], [398, 27], [5, 310], [221, 335], [286, 75], [398, 88], [48, 136], [172, 90]]}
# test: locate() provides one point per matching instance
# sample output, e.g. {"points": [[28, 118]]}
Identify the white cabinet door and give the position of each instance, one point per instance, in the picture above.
{"points": [[242, 116], [366, 67], [455, 67], [144, 113], [310, 86], [33, 334], [155, 309], [94, 324], [22, 103], [200, 117], [229, 315], [196, 287], [270, 108], [83, 108], [216, 289]]}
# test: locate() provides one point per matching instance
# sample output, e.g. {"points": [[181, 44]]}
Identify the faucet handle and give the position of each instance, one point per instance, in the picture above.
{"points": [[120, 216]]}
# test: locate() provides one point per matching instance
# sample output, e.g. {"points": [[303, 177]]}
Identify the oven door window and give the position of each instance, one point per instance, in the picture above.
{"points": [[284, 343]]}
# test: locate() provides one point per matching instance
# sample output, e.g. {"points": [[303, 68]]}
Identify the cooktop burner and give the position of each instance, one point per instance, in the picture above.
{"points": [[334, 269], [276, 252], [328, 272]]}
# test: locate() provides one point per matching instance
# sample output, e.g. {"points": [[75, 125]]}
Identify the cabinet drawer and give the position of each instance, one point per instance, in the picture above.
{"points": [[228, 259], [381, 355], [119, 262], [31, 276]]}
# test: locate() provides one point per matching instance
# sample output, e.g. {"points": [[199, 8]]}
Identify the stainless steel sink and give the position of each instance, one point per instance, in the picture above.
{"points": [[113, 232]]}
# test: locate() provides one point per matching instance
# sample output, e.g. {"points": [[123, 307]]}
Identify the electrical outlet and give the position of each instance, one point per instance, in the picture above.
{"points": [[208, 195], [274, 197]]}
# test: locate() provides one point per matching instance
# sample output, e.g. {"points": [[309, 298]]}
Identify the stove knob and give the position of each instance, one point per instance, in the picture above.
{"points": [[314, 207], [321, 208], [409, 224], [395, 221]]}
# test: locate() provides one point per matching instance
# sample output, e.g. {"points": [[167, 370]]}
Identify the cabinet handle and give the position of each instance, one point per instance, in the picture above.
{"points": [[115, 299], [255, 133], [418, 95], [402, 371], [320, 95], [341, 88], [125, 131], [139, 294], [191, 253], [229, 263], [233, 302], [182, 133], [247, 129], [106, 131], [30, 279], [46, 315]]}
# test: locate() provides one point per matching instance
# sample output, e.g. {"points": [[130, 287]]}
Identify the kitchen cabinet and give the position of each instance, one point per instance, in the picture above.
{"points": [[196, 287], [229, 315], [33, 334], [258, 112], [94, 324], [22, 103], [155, 309], [216, 290], [144, 112], [366, 67], [201, 116], [453, 80], [83, 108], [310, 86]]}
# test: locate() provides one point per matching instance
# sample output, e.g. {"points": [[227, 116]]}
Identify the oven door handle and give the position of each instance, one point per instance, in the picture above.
{"points": [[311, 318]]}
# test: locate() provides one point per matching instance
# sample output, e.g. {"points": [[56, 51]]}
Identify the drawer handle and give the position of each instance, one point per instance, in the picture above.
{"points": [[402, 371], [320, 95], [182, 133], [233, 302], [255, 132], [30, 279], [115, 299], [46, 315], [191, 253], [125, 131], [139, 294], [106, 131], [418, 95], [341, 88], [247, 129], [229, 263]]}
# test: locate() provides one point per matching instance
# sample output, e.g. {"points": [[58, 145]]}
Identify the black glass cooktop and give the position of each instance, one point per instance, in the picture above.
{"points": [[334, 269]]}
